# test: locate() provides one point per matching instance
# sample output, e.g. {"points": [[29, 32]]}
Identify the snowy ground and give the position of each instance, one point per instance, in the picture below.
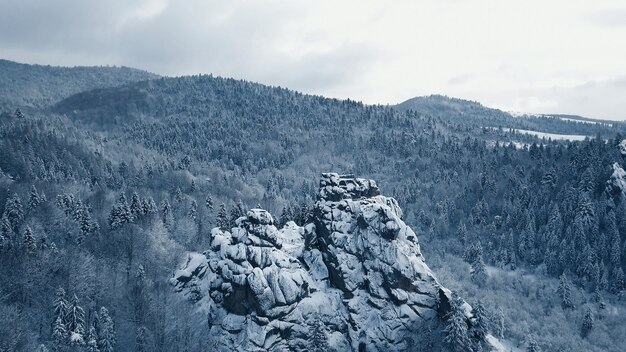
{"points": [[553, 136]]}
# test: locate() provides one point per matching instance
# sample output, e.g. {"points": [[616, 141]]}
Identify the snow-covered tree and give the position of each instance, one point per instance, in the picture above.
{"points": [[208, 202], [479, 270], [166, 213], [136, 210], [587, 324], [91, 342], [533, 346], [75, 320], [455, 331], [34, 199], [565, 292], [59, 334], [105, 330], [193, 210], [60, 306], [29, 240], [86, 224], [120, 213], [14, 211], [222, 218]]}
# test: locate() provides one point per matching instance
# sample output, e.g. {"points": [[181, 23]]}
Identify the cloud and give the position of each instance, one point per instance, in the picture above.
{"points": [[608, 18], [254, 41]]}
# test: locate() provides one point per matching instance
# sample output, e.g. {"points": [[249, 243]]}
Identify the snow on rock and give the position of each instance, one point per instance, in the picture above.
{"points": [[355, 277], [617, 181]]}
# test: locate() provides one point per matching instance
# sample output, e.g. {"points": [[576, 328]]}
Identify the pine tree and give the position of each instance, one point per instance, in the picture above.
{"points": [[166, 213], [209, 203], [75, 318], [33, 198], [587, 322], [480, 323], [461, 232], [222, 218], [14, 211], [82, 216], [59, 334], [178, 197], [193, 210], [91, 343], [286, 216], [565, 292], [148, 206], [29, 240], [136, 210], [236, 212], [500, 326], [120, 214], [105, 331], [60, 305], [533, 346], [7, 236], [455, 331], [479, 270]]}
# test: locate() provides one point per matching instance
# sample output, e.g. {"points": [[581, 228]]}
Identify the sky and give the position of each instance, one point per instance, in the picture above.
{"points": [[548, 56]]}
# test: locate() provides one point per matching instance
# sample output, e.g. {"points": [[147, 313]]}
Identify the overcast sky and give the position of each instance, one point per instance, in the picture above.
{"points": [[548, 56]]}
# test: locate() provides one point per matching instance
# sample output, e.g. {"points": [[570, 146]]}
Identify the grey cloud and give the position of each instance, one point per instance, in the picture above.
{"points": [[224, 38]]}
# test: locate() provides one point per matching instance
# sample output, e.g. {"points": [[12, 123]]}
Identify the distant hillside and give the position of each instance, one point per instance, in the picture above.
{"points": [[23, 85], [465, 112]]}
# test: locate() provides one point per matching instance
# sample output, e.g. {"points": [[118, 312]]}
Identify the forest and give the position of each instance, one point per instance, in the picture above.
{"points": [[105, 187]]}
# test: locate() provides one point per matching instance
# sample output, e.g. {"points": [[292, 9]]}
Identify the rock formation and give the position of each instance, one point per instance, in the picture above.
{"points": [[352, 279]]}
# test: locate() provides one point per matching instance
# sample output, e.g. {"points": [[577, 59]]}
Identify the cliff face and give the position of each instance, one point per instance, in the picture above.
{"points": [[353, 279]]}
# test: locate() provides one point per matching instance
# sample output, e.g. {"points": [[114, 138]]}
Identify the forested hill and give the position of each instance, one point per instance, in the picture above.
{"points": [[104, 191], [466, 112], [28, 86]]}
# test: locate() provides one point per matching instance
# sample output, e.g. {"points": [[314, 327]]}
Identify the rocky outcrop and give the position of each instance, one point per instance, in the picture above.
{"points": [[353, 279], [617, 182]]}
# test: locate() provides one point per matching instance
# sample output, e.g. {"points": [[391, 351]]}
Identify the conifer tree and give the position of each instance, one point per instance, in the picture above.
{"points": [[565, 292], [82, 216], [91, 342], [166, 213], [33, 198], [105, 330], [209, 203], [136, 209], [120, 214], [14, 211], [533, 346], [193, 210], [455, 331], [59, 334], [222, 218], [29, 240], [75, 318], [479, 270], [587, 324]]}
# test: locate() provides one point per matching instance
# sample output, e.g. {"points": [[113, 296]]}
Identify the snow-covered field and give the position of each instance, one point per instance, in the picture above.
{"points": [[585, 121], [553, 136]]}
